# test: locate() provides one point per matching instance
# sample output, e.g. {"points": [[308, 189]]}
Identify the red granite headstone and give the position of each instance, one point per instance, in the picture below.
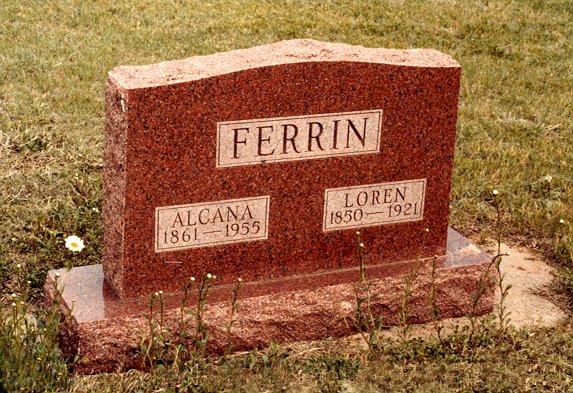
{"points": [[262, 164]]}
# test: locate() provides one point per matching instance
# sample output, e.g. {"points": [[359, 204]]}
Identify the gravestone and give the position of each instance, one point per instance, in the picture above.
{"points": [[262, 164]]}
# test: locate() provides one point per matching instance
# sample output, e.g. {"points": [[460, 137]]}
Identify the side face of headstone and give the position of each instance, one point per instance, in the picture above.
{"points": [[262, 163]]}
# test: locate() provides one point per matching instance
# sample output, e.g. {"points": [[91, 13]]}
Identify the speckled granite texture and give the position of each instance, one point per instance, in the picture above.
{"points": [[106, 331], [177, 146], [161, 144]]}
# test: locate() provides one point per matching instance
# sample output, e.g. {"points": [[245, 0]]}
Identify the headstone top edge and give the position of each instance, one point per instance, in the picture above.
{"points": [[283, 52]]}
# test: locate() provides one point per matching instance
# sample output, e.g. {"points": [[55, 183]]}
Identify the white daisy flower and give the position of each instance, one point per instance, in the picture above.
{"points": [[74, 243]]}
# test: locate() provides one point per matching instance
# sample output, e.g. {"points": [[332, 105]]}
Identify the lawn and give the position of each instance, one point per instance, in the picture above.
{"points": [[515, 134]]}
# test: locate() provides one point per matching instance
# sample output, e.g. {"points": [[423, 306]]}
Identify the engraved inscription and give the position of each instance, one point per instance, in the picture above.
{"points": [[373, 204], [293, 138], [211, 223]]}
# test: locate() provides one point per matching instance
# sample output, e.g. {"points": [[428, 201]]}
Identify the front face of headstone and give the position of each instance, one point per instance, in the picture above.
{"points": [[268, 172]]}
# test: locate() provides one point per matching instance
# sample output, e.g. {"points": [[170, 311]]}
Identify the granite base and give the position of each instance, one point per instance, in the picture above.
{"points": [[106, 332]]}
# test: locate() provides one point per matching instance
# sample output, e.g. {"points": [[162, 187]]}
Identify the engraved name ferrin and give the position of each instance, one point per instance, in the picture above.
{"points": [[293, 138], [211, 223], [373, 204]]}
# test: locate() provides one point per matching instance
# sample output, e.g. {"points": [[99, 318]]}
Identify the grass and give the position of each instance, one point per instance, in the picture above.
{"points": [[515, 128], [539, 361]]}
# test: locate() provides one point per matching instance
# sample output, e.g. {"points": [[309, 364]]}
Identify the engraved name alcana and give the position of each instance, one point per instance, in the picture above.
{"points": [[293, 138], [211, 223]]}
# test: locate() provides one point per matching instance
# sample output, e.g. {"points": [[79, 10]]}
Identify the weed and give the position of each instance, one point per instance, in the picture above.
{"points": [[364, 319], [435, 313], [161, 347], [30, 359], [234, 308], [154, 347], [201, 336], [403, 314], [501, 308]]}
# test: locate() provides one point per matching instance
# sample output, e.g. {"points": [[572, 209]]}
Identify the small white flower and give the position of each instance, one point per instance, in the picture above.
{"points": [[548, 178], [508, 253], [74, 243], [239, 279], [358, 232], [161, 292], [156, 294], [13, 295], [57, 275], [95, 210], [361, 245], [495, 192], [214, 277], [427, 229], [209, 275], [19, 266], [562, 221], [13, 304], [192, 278]]}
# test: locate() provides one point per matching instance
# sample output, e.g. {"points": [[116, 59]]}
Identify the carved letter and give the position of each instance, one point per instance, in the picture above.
{"points": [[346, 201], [335, 135], [230, 213], [261, 140], [388, 195], [178, 220], [217, 215], [361, 138], [189, 219], [290, 139], [236, 140], [315, 137], [375, 196], [247, 213], [365, 198], [402, 194], [201, 215]]}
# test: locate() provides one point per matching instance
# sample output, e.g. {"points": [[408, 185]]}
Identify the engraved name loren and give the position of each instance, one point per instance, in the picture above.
{"points": [[298, 138], [211, 223], [374, 204]]}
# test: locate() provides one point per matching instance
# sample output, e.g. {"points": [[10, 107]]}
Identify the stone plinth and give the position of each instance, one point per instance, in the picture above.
{"points": [[106, 331], [258, 163]]}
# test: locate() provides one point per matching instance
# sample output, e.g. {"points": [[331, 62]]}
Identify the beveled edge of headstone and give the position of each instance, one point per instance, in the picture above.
{"points": [[283, 52]]}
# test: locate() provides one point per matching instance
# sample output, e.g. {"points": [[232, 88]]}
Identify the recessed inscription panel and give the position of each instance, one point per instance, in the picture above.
{"points": [[373, 204], [293, 138], [211, 223]]}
